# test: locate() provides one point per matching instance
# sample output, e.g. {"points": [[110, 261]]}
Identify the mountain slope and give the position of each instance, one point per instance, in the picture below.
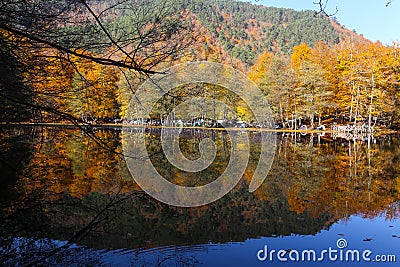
{"points": [[244, 30]]}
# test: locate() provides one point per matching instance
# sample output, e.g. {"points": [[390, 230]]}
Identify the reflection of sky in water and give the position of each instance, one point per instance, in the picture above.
{"points": [[355, 231]]}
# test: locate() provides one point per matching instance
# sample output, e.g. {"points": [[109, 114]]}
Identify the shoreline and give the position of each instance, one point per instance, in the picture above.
{"points": [[111, 125]]}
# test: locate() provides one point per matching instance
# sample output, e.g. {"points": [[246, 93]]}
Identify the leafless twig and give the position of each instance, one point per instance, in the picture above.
{"points": [[322, 4]]}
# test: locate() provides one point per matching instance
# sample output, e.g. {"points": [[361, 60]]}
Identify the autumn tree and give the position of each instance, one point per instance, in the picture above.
{"points": [[93, 94], [259, 69], [367, 81], [279, 87], [135, 35], [301, 53], [12, 107], [314, 98], [51, 82]]}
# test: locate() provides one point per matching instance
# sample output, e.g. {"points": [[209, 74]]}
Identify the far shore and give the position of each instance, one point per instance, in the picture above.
{"points": [[377, 131]]}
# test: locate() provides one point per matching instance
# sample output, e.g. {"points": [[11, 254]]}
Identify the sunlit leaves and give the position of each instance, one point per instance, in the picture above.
{"points": [[357, 80]]}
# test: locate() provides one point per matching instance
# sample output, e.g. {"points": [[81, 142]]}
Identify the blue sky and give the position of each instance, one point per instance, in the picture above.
{"points": [[368, 17]]}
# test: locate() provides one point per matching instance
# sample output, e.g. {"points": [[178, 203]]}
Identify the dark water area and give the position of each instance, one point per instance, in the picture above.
{"points": [[67, 198]]}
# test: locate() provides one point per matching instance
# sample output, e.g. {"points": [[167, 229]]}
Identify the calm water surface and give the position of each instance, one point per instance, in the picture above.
{"points": [[67, 199]]}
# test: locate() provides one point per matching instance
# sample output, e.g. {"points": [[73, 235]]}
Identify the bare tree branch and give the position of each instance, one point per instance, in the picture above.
{"points": [[322, 4], [99, 60], [134, 35]]}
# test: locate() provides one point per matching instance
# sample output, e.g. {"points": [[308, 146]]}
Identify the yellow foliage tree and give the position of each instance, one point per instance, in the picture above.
{"points": [[94, 92], [259, 69], [301, 53]]}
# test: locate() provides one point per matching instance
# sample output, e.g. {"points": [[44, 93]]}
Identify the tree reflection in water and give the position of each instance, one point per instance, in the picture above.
{"points": [[58, 184]]}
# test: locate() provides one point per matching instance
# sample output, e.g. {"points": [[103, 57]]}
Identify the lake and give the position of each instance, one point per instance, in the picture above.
{"points": [[67, 198]]}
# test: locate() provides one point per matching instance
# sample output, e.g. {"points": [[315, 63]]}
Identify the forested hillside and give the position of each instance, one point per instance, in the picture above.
{"points": [[245, 30], [227, 30]]}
